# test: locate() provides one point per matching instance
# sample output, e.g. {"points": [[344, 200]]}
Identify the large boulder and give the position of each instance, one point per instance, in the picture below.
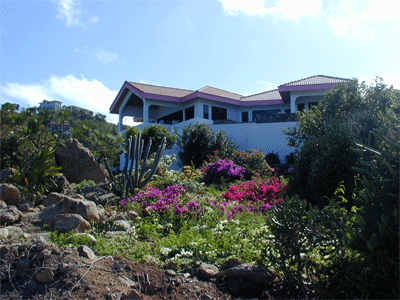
{"points": [[71, 222], [78, 163], [10, 194], [62, 204]]}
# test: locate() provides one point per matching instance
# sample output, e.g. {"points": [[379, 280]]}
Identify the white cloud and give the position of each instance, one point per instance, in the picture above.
{"points": [[70, 11], [289, 9], [89, 94], [389, 80], [363, 19], [105, 57]]}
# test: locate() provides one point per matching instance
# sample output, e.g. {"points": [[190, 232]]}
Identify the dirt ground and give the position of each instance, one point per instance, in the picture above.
{"points": [[35, 270]]}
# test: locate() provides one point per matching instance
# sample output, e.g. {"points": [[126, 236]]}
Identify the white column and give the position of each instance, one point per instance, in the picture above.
{"points": [[145, 112], [292, 103], [121, 116]]}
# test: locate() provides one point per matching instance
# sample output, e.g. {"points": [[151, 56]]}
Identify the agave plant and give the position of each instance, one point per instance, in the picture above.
{"points": [[135, 172]]}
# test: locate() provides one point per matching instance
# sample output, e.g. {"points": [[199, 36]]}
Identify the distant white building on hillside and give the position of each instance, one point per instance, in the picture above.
{"points": [[50, 105]]}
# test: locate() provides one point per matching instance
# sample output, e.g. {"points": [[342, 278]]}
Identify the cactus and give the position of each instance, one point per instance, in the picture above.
{"points": [[134, 171]]}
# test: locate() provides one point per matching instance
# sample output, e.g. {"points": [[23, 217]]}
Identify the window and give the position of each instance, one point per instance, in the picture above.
{"points": [[218, 113], [264, 116], [205, 112], [245, 116], [189, 113], [300, 106]]}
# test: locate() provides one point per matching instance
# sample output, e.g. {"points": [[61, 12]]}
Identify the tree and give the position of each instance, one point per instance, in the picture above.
{"points": [[326, 134], [198, 141]]}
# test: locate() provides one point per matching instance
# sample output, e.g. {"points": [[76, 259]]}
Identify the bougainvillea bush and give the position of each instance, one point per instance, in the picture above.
{"points": [[252, 160], [255, 196], [214, 172]]}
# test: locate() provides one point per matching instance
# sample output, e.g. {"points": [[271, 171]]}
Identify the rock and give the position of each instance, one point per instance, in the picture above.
{"points": [[230, 263], [59, 185], [87, 209], [45, 275], [6, 173], [71, 222], [132, 215], [4, 233], [132, 295], [24, 207], [170, 272], [249, 272], [53, 198], [14, 231], [128, 282], [85, 251], [10, 194], [2, 204], [63, 268], [172, 265], [78, 163], [43, 254], [207, 271], [122, 225], [9, 215], [121, 216]]}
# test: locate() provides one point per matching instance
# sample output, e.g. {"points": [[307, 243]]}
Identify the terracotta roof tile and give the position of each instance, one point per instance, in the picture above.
{"points": [[160, 90], [265, 96], [218, 92], [318, 79]]}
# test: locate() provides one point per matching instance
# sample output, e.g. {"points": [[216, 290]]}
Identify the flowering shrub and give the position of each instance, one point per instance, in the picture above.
{"points": [[213, 172], [165, 201], [253, 160], [256, 196]]}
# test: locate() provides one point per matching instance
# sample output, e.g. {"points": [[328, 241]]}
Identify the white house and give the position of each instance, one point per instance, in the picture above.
{"points": [[51, 105], [252, 122]]}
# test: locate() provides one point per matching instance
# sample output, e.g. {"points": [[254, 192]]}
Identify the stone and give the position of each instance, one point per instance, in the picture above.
{"points": [[15, 231], [65, 204], [6, 173], [71, 222], [3, 204], [85, 251], [121, 216], [230, 263], [24, 207], [9, 215], [10, 194], [63, 268], [128, 282], [122, 225], [78, 163], [170, 272], [207, 271], [132, 215], [4, 233], [249, 272], [45, 275], [59, 184], [43, 254], [53, 198]]}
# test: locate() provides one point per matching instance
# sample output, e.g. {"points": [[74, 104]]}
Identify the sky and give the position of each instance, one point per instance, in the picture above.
{"points": [[82, 52]]}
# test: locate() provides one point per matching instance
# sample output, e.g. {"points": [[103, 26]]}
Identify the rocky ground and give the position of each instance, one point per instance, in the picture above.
{"points": [[34, 268]]}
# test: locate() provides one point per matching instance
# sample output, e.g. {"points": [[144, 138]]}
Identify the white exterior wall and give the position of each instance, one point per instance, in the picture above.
{"points": [[294, 95]]}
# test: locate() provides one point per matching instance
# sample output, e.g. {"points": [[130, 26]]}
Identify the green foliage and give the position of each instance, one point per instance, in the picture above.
{"points": [[306, 245], [85, 183], [135, 167], [198, 141], [272, 159], [376, 237], [327, 132], [155, 134]]}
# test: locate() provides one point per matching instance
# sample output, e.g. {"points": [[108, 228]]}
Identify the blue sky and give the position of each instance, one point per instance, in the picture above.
{"points": [[81, 52]]}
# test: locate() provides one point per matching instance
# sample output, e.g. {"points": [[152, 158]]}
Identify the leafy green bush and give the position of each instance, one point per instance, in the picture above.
{"points": [[327, 132], [272, 159], [155, 133], [198, 141]]}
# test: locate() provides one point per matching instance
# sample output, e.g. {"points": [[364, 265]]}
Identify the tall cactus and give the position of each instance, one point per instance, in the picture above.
{"points": [[134, 171]]}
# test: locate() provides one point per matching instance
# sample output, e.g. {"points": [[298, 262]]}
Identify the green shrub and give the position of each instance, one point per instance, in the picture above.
{"points": [[155, 133], [272, 159], [198, 141]]}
